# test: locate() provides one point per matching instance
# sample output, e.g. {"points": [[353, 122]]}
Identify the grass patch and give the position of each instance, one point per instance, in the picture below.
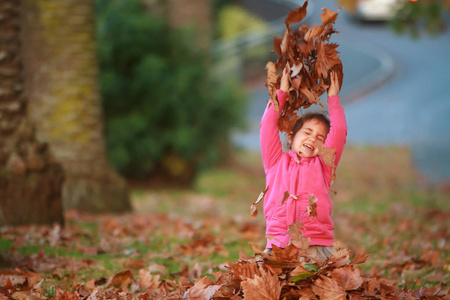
{"points": [[380, 208]]}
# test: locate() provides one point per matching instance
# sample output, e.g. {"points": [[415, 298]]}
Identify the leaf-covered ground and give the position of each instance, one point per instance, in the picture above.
{"points": [[196, 243]]}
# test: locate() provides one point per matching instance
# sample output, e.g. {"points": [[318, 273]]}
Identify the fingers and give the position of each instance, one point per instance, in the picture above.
{"points": [[334, 80]]}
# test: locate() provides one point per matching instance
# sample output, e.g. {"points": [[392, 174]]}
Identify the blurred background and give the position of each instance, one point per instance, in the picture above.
{"points": [[136, 124], [107, 97]]}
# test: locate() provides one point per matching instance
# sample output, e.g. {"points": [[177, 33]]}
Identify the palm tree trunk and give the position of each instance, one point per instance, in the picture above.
{"points": [[62, 81], [30, 180]]}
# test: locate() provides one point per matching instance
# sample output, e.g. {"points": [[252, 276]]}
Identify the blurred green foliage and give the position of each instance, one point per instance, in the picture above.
{"points": [[233, 19], [165, 111], [418, 17]]}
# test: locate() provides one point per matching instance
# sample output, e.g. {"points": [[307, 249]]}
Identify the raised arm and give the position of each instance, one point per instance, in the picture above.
{"points": [[337, 136], [271, 147]]}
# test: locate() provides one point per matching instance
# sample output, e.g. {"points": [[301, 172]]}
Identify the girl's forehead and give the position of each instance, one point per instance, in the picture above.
{"points": [[315, 124]]}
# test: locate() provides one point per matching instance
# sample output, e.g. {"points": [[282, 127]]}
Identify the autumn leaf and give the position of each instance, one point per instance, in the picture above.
{"points": [[328, 288], [147, 281], [122, 279], [264, 287], [204, 289], [297, 238], [272, 83], [244, 269], [256, 248], [297, 14], [327, 154], [253, 209], [308, 57], [339, 258], [328, 16], [360, 258], [65, 295], [347, 277], [300, 273], [23, 295], [285, 196], [312, 207]]}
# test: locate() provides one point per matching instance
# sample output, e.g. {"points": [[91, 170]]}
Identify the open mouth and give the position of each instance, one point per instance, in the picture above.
{"points": [[309, 147]]}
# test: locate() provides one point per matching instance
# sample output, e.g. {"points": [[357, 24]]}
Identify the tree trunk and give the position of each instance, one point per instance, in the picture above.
{"points": [[30, 180], [61, 79]]}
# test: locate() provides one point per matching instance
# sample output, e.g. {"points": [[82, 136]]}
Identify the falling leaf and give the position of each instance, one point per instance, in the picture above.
{"points": [[297, 238], [272, 83], [285, 196], [309, 57], [253, 209], [328, 288], [312, 207], [297, 14], [327, 154], [328, 16], [264, 287]]}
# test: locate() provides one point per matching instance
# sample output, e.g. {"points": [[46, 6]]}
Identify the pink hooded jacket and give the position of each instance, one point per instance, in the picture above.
{"points": [[300, 177]]}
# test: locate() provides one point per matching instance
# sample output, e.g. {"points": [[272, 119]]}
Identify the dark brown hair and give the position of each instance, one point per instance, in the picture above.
{"points": [[310, 116]]}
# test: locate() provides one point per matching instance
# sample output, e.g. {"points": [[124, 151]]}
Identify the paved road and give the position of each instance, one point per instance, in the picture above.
{"points": [[396, 92]]}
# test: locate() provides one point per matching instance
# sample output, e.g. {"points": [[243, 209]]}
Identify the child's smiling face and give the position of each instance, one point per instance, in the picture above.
{"points": [[304, 142]]}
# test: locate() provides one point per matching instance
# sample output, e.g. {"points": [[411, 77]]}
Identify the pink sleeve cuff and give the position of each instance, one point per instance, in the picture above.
{"points": [[281, 96]]}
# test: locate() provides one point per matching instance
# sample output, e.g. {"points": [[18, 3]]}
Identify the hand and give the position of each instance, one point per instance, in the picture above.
{"points": [[334, 88], [284, 84]]}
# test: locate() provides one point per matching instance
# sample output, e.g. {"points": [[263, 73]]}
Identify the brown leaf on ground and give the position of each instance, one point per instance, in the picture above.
{"points": [[290, 253], [360, 258], [264, 287], [244, 269], [204, 289], [348, 277], [339, 258], [327, 288], [147, 281], [122, 279], [65, 295]]}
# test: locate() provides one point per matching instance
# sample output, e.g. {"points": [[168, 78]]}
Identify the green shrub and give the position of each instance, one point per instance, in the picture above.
{"points": [[233, 19], [164, 110]]}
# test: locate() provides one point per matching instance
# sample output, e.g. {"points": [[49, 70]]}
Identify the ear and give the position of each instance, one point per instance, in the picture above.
{"points": [[290, 138]]}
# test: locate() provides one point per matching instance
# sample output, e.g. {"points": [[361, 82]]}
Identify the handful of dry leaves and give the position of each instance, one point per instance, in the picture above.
{"points": [[309, 57]]}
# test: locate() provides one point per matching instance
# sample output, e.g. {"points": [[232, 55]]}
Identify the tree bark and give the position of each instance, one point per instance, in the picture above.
{"points": [[30, 180], [61, 79]]}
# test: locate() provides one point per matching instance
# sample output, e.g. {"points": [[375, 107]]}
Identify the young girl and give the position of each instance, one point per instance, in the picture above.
{"points": [[301, 171]]}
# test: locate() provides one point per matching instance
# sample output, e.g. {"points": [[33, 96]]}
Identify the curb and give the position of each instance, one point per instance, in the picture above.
{"points": [[374, 79]]}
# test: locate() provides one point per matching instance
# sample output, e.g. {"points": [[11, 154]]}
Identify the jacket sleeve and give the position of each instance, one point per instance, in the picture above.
{"points": [[271, 147], [337, 136]]}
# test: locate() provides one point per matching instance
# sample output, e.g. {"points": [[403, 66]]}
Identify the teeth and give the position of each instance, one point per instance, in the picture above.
{"points": [[308, 146]]}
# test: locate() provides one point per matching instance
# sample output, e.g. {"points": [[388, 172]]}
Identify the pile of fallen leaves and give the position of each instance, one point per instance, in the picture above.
{"points": [[287, 274], [309, 57]]}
